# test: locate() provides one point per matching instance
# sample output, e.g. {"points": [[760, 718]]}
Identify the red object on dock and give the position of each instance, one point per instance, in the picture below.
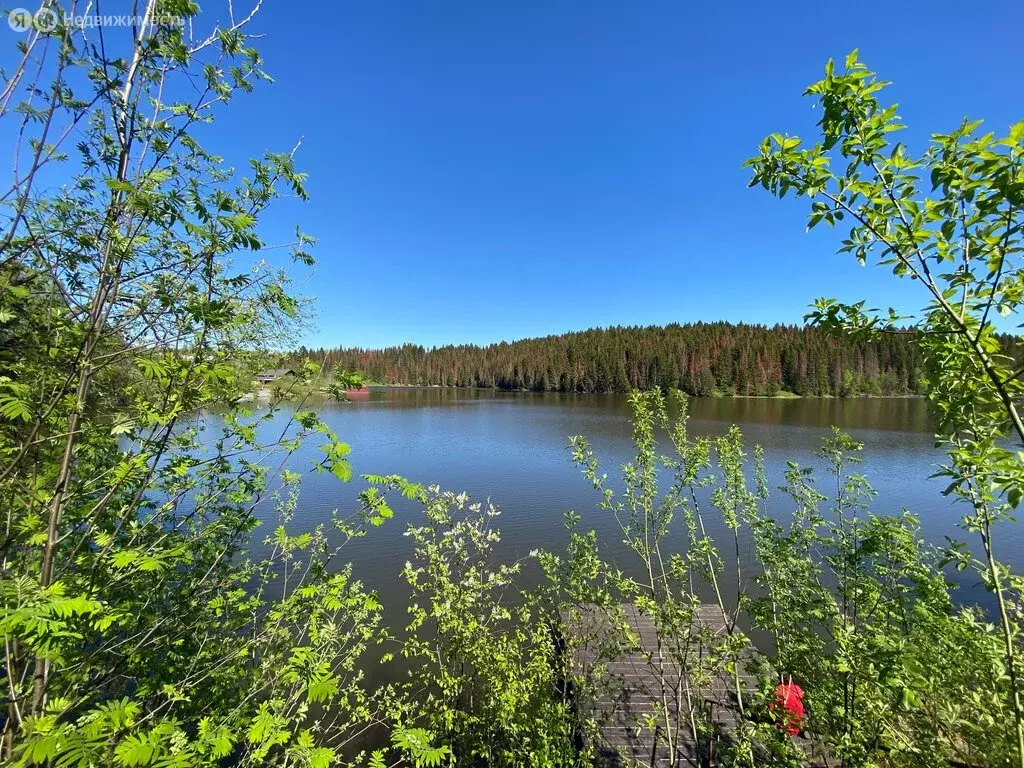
{"points": [[789, 707], [357, 394]]}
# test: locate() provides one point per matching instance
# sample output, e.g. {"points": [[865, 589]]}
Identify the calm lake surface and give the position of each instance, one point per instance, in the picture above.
{"points": [[512, 448]]}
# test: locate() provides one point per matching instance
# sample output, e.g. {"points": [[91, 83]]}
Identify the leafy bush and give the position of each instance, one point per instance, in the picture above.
{"points": [[482, 662]]}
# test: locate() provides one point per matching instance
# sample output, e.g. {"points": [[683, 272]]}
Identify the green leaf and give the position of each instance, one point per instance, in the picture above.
{"points": [[135, 750]]}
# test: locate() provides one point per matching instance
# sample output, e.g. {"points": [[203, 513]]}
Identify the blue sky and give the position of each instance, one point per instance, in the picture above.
{"points": [[497, 169]]}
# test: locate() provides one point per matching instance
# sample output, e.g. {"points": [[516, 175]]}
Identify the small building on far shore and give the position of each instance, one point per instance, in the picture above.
{"points": [[271, 375]]}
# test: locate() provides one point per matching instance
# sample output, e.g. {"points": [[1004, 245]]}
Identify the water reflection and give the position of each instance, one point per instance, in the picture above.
{"points": [[512, 448]]}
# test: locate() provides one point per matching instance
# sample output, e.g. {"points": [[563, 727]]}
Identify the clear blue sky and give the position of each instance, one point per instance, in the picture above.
{"points": [[496, 169]]}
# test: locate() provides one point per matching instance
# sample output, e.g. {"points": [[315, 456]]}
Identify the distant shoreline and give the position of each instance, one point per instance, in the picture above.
{"points": [[718, 396]]}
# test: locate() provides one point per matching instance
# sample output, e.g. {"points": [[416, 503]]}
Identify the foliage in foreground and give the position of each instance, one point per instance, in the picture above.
{"points": [[950, 220], [137, 628], [855, 605], [857, 608]]}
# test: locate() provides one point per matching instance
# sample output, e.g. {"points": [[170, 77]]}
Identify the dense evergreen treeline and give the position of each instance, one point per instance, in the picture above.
{"points": [[700, 358]]}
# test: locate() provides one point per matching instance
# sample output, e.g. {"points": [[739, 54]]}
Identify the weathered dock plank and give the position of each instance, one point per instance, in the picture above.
{"points": [[646, 682]]}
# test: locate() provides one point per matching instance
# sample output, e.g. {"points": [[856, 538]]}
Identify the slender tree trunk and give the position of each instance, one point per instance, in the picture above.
{"points": [[1004, 617]]}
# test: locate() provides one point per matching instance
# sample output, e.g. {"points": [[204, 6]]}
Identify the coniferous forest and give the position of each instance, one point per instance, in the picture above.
{"points": [[702, 359]]}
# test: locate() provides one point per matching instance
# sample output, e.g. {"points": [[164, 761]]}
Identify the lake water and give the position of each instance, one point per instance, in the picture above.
{"points": [[512, 448]]}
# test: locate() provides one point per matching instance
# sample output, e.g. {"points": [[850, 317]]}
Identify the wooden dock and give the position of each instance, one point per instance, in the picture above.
{"points": [[631, 714]]}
